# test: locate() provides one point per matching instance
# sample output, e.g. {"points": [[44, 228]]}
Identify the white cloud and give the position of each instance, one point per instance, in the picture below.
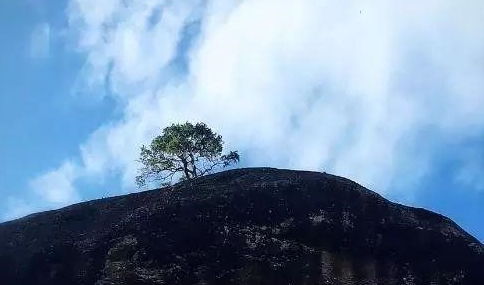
{"points": [[307, 84], [50, 190], [56, 187], [346, 87], [16, 208], [40, 41], [122, 44]]}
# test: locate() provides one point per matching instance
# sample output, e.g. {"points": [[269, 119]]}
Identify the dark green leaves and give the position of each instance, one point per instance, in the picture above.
{"points": [[184, 150]]}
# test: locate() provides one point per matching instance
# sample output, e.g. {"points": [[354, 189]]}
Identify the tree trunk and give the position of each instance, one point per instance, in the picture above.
{"points": [[194, 167], [185, 168]]}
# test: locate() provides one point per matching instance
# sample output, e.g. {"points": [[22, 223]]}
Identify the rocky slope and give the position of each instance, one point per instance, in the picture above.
{"points": [[246, 226]]}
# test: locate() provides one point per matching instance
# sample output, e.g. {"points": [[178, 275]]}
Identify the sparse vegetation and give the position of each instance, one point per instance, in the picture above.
{"points": [[183, 151]]}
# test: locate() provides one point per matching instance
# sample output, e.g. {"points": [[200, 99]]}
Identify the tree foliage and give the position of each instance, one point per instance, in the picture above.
{"points": [[183, 150]]}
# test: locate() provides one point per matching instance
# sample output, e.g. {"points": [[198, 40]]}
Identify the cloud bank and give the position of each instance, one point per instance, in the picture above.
{"points": [[362, 89]]}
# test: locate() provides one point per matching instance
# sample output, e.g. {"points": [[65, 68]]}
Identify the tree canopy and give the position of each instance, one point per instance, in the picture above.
{"points": [[184, 151]]}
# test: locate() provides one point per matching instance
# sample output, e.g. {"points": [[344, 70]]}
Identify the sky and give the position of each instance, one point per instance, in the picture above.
{"points": [[387, 93]]}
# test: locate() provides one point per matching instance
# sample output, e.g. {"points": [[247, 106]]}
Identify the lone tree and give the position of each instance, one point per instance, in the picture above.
{"points": [[184, 150]]}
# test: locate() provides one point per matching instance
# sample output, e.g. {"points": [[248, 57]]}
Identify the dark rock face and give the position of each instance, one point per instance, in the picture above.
{"points": [[246, 226]]}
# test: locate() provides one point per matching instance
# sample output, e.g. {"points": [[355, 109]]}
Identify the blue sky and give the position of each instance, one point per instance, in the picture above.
{"points": [[389, 95]]}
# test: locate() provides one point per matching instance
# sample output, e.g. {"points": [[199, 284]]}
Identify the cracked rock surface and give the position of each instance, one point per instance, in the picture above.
{"points": [[244, 226]]}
